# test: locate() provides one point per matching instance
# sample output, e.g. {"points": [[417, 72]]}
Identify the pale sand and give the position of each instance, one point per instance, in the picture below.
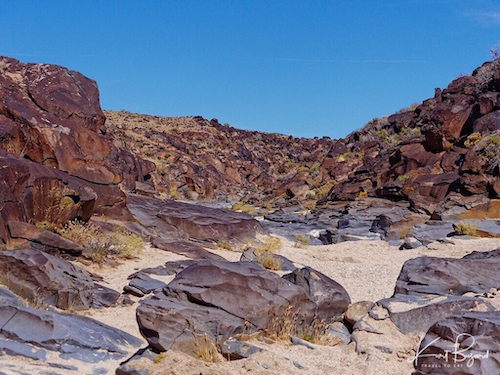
{"points": [[366, 269]]}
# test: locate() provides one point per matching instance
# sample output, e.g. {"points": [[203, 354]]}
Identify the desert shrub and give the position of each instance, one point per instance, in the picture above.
{"points": [[491, 146], [301, 240], [126, 244], [265, 253], [206, 350], [466, 228], [47, 225], [159, 358], [315, 167], [495, 51], [243, 207], [225, 245], [403, 177], [345, 156], [282, 327], [324, 189], [384, 134], [473, 139], [99, 245], [363, 194], [311, 205]]}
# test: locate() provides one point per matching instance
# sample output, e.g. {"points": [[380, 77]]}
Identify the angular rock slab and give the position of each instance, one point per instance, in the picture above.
{"points": [[44, 238], [477, 335], [447, 276], [36, 333], [45, 279], [219, 299], [179, 220]]}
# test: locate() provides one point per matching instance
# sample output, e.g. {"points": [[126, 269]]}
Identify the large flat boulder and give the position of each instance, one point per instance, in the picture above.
{"points": [[448, 276], [219, 300], [171, 219], [39, 334]]}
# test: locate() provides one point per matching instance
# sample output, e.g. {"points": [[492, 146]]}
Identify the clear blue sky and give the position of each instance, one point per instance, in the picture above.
{"points": [[307, 68]]}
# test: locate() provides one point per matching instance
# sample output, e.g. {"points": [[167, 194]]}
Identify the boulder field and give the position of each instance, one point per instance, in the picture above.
{"points": [[422, 175]]}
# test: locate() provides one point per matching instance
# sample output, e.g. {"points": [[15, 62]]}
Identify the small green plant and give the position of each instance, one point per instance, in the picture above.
{"points": [[127, 244], [466, 228], [302, 169], [473, 139], [159, 358], [301, 240], [47, 225], [363, 194]]}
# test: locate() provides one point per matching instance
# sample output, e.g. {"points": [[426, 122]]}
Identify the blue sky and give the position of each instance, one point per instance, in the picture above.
{"points": [[306, 68]]}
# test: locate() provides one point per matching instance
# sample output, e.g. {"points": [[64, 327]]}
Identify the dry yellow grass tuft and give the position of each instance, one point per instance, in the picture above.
{"points": [[265, 253]]}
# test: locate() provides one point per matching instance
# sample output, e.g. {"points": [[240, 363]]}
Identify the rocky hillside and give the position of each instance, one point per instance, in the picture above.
{"points": [[79, 186], [198, 159], [441, 153], [435, 155]]}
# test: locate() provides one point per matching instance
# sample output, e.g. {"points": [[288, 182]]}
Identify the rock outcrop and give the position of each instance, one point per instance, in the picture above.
{"points": [[56, 163], [423, 154], [205, 300]]}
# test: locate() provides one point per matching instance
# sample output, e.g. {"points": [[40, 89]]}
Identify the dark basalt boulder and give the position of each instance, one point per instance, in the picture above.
{"points": [[56, 164], [49, 281], [37, 333], [171, 220], [467, 343], [46, 280], [187, 248], [44, 239], [331, 299], [448, 276], [219, 299], [145, 283]]}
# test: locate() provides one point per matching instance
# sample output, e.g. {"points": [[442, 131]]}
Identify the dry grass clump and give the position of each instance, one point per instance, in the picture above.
{"points": [[287, 325], [246, 208], [265, 253], [301, 240], [100, 245], [206, 350], [225, 245], [127, 244], [466, 228]]}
